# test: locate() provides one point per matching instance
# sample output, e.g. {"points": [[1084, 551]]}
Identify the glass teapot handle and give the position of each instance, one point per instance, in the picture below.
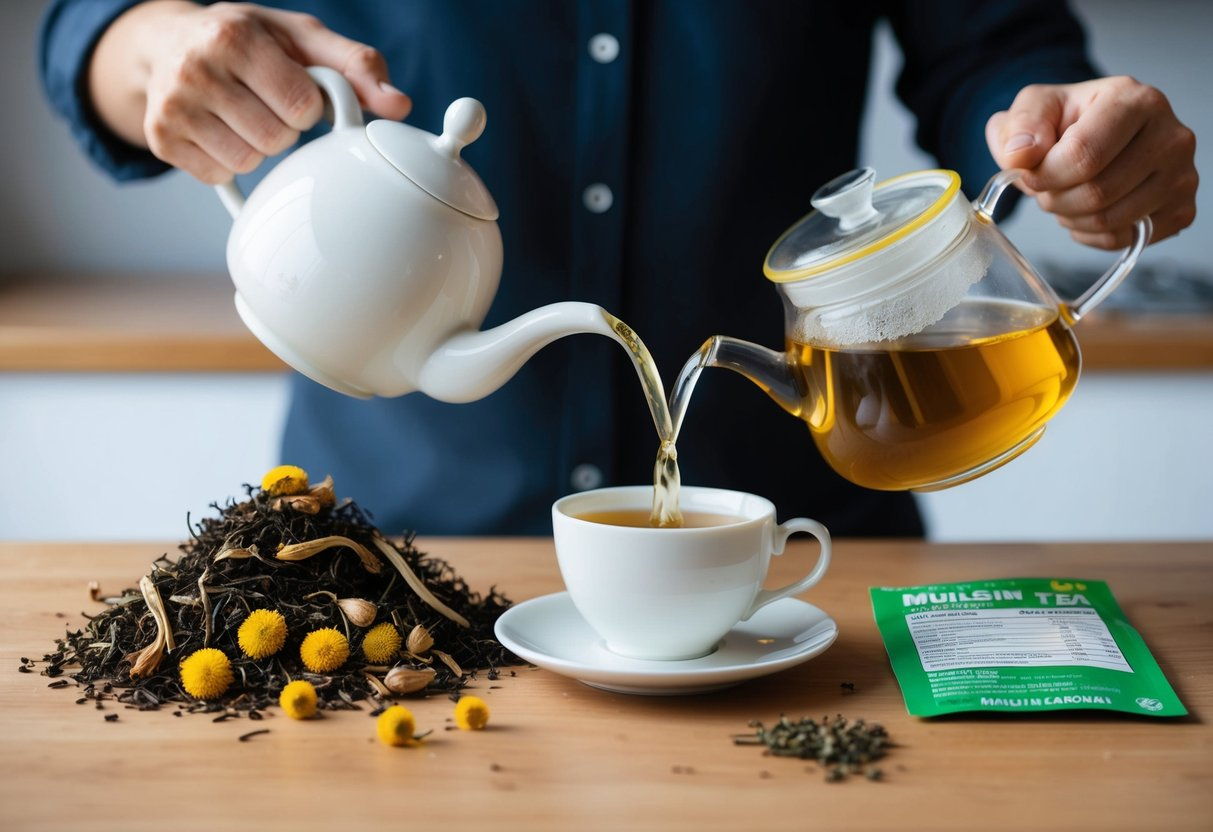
{"points": [[1107, 282], [341, 108]]}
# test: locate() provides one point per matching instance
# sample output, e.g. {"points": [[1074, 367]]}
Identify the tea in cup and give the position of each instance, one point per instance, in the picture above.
{"points": [[673, 593]]}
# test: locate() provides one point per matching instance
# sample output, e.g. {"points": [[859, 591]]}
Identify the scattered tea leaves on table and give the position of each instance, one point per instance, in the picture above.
{"points": [[840, 746]]}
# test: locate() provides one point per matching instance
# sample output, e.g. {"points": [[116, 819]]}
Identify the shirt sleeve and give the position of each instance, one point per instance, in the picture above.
{"points": [[967, 59], [69, 32]]}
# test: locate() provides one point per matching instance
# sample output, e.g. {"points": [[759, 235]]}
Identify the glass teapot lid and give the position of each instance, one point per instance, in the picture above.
{"points": [[854, 219]]}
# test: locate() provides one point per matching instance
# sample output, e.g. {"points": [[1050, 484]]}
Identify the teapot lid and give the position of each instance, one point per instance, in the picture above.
{"points": [[433, 162], [852, 220]]}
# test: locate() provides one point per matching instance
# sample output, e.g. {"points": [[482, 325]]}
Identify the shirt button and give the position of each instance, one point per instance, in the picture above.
{"points": [[604, 48], [585, 477], [597, 198]]}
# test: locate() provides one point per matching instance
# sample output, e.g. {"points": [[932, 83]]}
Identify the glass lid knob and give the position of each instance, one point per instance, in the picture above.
{"points": [[848, 199]]}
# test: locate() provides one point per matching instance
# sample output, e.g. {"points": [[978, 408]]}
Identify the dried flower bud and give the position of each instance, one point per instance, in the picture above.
{"points": [[419, 640], [395, 726], [302, 503], [284, 480], [323, 493], [359, 611], [407, 679]]}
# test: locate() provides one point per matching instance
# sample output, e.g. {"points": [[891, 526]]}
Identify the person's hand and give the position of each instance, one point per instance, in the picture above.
{"points": [[1100, 155], [213, 90]]}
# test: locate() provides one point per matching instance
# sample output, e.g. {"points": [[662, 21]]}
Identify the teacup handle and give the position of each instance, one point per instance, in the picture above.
{"points": [[1109, 280], [342, 109], [779, 539]]}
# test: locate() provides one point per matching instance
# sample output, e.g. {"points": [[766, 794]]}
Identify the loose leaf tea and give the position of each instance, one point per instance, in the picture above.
{"points": [[839, 745], [323, 568]]}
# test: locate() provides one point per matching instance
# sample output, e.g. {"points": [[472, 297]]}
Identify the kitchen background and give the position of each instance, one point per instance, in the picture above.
{"points": [[97, 456]]}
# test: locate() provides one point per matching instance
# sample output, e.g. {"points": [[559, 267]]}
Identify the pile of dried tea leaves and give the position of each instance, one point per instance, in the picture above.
{"points": [[840, 746], [320, 564]]}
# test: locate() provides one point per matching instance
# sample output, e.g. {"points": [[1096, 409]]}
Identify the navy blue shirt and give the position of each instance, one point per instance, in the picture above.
{"points": [[644, 156]]}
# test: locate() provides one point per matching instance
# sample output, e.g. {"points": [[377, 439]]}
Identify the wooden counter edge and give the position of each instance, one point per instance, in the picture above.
{"points": [[1145, 342], [125, 323], [56, 350], [147, 323]]}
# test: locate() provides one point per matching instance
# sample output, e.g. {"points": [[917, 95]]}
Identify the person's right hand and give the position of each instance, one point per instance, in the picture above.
{"points": [[213, 90]]}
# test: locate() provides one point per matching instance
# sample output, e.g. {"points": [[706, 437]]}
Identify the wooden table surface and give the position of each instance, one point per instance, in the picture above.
{"points": [[561, 755]]}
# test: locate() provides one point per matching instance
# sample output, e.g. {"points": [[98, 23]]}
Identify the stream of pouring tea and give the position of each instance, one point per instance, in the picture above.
{"points": [[667, 417], [666, 477]]}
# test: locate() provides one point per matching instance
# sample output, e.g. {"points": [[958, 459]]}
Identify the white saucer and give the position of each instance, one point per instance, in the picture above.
{"points": [[550, 633]]}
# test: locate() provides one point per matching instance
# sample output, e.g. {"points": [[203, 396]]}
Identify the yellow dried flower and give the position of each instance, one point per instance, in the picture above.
{"points": [[324, 650], [284, 481], [206, 673], [381, 643], [395, 726], [262, 634], [471, 713], [298, 699]]}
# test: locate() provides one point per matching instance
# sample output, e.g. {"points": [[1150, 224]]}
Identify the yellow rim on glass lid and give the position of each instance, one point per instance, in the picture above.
{"points": [[853, 219]]}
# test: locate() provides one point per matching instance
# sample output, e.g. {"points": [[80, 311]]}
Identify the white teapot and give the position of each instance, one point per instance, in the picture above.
{"points": [[368, 258]]}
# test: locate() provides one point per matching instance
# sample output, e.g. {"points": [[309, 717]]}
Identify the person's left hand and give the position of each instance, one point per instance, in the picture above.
{"points": [[1100, 155]]}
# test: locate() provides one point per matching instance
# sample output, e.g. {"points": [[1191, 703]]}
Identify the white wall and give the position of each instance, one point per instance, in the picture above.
{"points": [[117, 457], [103, 457]]}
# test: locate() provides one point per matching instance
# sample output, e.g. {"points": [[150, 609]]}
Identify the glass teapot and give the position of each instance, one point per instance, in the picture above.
{"points": [[922, 350]]}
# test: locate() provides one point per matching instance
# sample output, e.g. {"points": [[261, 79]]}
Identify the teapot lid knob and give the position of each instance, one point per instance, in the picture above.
{"points": [[848, 198], [463, 123], [434, 163]]}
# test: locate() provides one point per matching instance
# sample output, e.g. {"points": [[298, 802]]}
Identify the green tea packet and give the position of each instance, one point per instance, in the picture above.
{"points": [[1021, 644]]}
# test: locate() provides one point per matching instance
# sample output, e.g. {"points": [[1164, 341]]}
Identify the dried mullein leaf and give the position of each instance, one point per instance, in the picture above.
{"points": [[302, 551], [144, 662], [419, 640], [206, 606], [376, 686], [155, 604], [408, 680], [235, 553], [449, 662], [415, 583]]}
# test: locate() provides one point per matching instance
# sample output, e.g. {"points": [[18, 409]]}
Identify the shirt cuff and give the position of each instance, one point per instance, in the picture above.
{"points": [[69, 33]]}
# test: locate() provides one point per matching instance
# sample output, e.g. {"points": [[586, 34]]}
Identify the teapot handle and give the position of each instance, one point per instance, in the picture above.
{"points": [[1108, 281], [341, 108]]}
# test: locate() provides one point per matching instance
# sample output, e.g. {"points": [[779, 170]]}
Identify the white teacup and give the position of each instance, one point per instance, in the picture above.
{"points": [[673, 593]]}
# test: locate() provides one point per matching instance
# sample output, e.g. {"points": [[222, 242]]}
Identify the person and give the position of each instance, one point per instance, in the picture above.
{"points": [[644, 157]]}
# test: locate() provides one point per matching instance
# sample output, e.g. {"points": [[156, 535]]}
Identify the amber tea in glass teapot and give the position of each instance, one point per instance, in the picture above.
{"points": [[921, 349]]}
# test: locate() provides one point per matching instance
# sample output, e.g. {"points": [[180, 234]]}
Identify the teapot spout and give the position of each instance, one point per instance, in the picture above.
{"points": [[471, 364], [772, 371]]}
